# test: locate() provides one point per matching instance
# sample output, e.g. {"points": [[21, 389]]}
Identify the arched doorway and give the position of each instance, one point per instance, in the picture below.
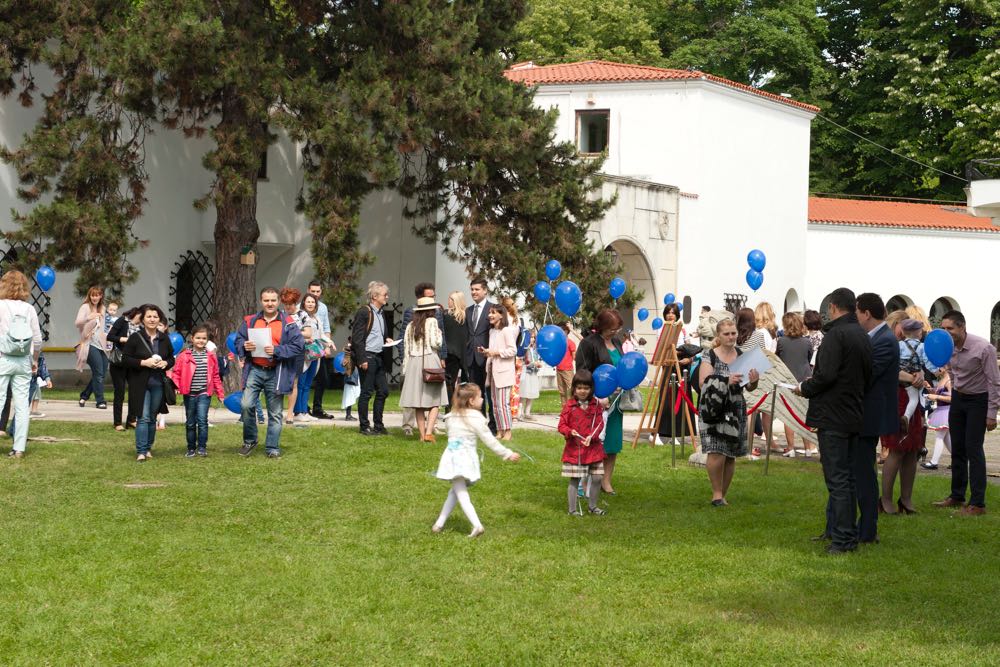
{"points": [[941, 306], [898, 302], [824, 304], [191, 291], [639, 277], [792, 302], [995, 326]]}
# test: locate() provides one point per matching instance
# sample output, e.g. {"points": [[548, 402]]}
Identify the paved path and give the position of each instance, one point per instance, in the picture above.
{"points": [[56, 410]]}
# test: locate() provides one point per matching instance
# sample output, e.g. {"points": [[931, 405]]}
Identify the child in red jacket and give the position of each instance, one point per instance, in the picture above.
{"points": [[196, 374], [581, 423]]}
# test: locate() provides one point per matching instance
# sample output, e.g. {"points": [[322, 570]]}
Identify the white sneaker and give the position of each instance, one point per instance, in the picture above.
{"points": [[656, 440], [790, 454], [36, 415], [301, 419]]}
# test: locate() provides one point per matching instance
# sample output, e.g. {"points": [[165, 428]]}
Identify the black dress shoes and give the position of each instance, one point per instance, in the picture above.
{"points": [[834, 550]]}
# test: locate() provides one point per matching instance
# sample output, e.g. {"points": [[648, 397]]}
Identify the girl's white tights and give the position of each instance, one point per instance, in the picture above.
{"points": [[942, 439], [912, 401], [459, 493]]}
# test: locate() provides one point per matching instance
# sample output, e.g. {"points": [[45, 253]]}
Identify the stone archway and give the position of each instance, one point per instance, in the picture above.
{"points": [[824, 304], [898, 302], [639, 276], [941, 306]]}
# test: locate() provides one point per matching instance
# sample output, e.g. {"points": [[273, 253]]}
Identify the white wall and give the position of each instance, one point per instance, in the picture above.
{"points": [[867, 259], [745, 158]]}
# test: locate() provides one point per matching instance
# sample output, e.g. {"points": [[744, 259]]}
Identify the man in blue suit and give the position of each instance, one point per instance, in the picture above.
{"points": [[880, 415]]}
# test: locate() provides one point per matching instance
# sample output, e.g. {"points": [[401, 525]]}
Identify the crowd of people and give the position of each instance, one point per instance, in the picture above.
{"points": [[865, 372]]}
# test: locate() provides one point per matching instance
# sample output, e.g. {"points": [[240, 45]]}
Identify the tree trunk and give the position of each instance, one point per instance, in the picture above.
{"points": [[234, 293]]}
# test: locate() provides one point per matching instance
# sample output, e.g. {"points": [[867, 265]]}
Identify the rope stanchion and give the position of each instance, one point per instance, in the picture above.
{"points": [[795, 416], [690, 403], [759, 403]]}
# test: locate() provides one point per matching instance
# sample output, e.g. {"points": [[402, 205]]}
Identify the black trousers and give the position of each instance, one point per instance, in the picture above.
{"points": [[373, 381], [866, 490], [477, 374], [967, 424], [320, 383], [454, 373], [838, 451], [119, 378]]}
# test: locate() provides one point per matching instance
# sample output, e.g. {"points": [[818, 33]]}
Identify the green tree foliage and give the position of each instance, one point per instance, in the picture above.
{"points": [[571, 30], [409, 96]]}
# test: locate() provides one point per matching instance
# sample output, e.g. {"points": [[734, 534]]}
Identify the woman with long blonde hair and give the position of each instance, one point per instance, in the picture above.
{"points": [[456, 337], [17, 364], [92, 349], [917, 313], [764, 318]]}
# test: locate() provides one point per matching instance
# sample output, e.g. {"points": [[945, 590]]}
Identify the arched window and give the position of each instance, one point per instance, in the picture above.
{"points": [[898, 302], [191, 291], [792, 302], [939, 308], [12, 257], [824, 304], [995, 326]]}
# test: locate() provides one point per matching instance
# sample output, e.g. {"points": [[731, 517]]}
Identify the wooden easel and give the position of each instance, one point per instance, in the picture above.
{"points": [[665, 359]]}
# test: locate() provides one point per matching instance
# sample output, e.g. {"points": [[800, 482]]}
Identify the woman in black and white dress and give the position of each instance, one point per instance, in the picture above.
{"points": [[421, 349]]}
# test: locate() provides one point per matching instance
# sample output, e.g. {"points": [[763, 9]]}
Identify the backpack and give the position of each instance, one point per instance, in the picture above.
{"points": [[17, 341], [523, 341]]}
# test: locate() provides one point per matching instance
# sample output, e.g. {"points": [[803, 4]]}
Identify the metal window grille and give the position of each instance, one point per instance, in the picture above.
{"points": [[191, 291], [13, 257], [733, 302]]}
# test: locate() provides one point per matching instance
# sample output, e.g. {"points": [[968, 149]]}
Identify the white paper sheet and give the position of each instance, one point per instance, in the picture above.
{"points": [[393, 343], [754, 359], [261, 338]]}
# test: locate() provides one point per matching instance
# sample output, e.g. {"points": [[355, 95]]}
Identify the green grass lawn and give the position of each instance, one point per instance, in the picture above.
{"points": [[325, 557]]}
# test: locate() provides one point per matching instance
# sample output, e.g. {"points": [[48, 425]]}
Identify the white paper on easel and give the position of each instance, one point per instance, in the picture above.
{"points": [[748, 361], [261, 338]]}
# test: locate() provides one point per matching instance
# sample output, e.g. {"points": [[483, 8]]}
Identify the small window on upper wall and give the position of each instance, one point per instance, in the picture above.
{"points": [[592, 129]]}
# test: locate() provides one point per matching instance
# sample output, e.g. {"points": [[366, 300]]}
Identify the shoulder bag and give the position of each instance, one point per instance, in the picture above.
{"points": [[431, 375]]}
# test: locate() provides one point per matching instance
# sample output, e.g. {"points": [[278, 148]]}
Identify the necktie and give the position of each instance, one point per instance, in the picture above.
{"points": [[475, 317]]}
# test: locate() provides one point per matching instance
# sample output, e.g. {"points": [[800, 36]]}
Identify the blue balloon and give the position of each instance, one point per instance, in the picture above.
{"points": [[632, 369], [939, 347], [551, 344], [755, 279], [605, 380], [234, 402], [543, 291], [338, 362], [231, 343], [756, 260], [177, 341], [657, 323], [45, 276], [680, 305], [553, 269], [617, 288], [643, 314], [668, 298], [569, 298]]}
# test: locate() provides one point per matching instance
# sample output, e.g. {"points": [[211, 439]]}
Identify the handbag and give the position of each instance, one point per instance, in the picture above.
{"points": [[115, 356], [431, 375]]}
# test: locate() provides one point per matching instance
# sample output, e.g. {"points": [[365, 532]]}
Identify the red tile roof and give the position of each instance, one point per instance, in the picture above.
{"points": [[600, 71], [874, 213]]}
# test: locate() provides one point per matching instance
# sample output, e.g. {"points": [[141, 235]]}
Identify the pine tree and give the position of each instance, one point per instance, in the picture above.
{"points": [[408, 96]]}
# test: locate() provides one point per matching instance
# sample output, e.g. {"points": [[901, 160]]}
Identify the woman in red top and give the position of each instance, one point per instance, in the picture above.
{"points": [[581, 423]]}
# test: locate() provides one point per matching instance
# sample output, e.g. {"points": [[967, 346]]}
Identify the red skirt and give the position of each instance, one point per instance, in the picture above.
{"points": [[913, 440]]}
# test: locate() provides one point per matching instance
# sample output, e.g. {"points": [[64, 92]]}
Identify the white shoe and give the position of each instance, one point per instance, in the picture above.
{"points": [[790, 454], [36, 415], [655, 439], [477, 531], [301, 419]]}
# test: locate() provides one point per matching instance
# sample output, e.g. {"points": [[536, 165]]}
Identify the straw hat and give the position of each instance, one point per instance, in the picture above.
{"points": [[425, 303]]}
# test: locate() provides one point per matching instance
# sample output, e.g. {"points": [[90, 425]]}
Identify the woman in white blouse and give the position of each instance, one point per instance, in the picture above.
{"points": [[421, 349]]}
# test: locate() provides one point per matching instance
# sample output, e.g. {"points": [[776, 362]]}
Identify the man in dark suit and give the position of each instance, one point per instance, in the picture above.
{"points": [[478, 326], [879, 415], [836, 393]]}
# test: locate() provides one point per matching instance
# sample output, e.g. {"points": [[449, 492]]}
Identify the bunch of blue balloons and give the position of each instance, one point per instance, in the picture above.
{"points": [[568, 296], [755, 276], [628, 374]]}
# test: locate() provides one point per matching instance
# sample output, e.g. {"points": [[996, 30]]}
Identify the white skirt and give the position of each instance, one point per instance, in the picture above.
{"points": [[460, 462], [419, 394], [351, 394], [531, 385]]}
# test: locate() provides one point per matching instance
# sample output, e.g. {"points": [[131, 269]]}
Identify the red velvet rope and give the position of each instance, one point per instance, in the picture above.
{"points": [[795, 416], [754, 408]]}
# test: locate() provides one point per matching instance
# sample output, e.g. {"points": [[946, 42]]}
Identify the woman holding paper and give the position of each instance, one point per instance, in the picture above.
{"points": [[723, 436]]}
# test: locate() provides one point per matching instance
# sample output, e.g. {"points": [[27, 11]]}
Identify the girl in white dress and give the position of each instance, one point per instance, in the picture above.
{"points": [[460, 461]]}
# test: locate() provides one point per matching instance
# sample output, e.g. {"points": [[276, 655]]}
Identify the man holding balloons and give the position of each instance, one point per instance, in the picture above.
{"points": [[975, 399]]}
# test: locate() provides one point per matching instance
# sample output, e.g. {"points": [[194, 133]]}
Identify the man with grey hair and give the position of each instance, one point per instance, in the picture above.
{"points": [[368, 338]]}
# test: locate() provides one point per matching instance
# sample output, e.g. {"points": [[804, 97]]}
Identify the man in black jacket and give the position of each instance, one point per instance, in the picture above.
{"points": [[368, 338], [478, 327], [880, 415], [836, 394]]}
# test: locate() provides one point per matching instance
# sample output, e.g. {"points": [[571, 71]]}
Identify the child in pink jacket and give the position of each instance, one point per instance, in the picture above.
{"points": [[196, 374]]}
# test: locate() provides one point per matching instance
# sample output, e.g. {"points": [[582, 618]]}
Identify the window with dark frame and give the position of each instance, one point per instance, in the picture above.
{"points": [[592, 130]]}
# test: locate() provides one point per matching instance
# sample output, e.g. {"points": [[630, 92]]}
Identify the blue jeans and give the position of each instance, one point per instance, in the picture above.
{"points": [[98, 362], [262, 380], [145, 429], [305, 382], [196, 411]]}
